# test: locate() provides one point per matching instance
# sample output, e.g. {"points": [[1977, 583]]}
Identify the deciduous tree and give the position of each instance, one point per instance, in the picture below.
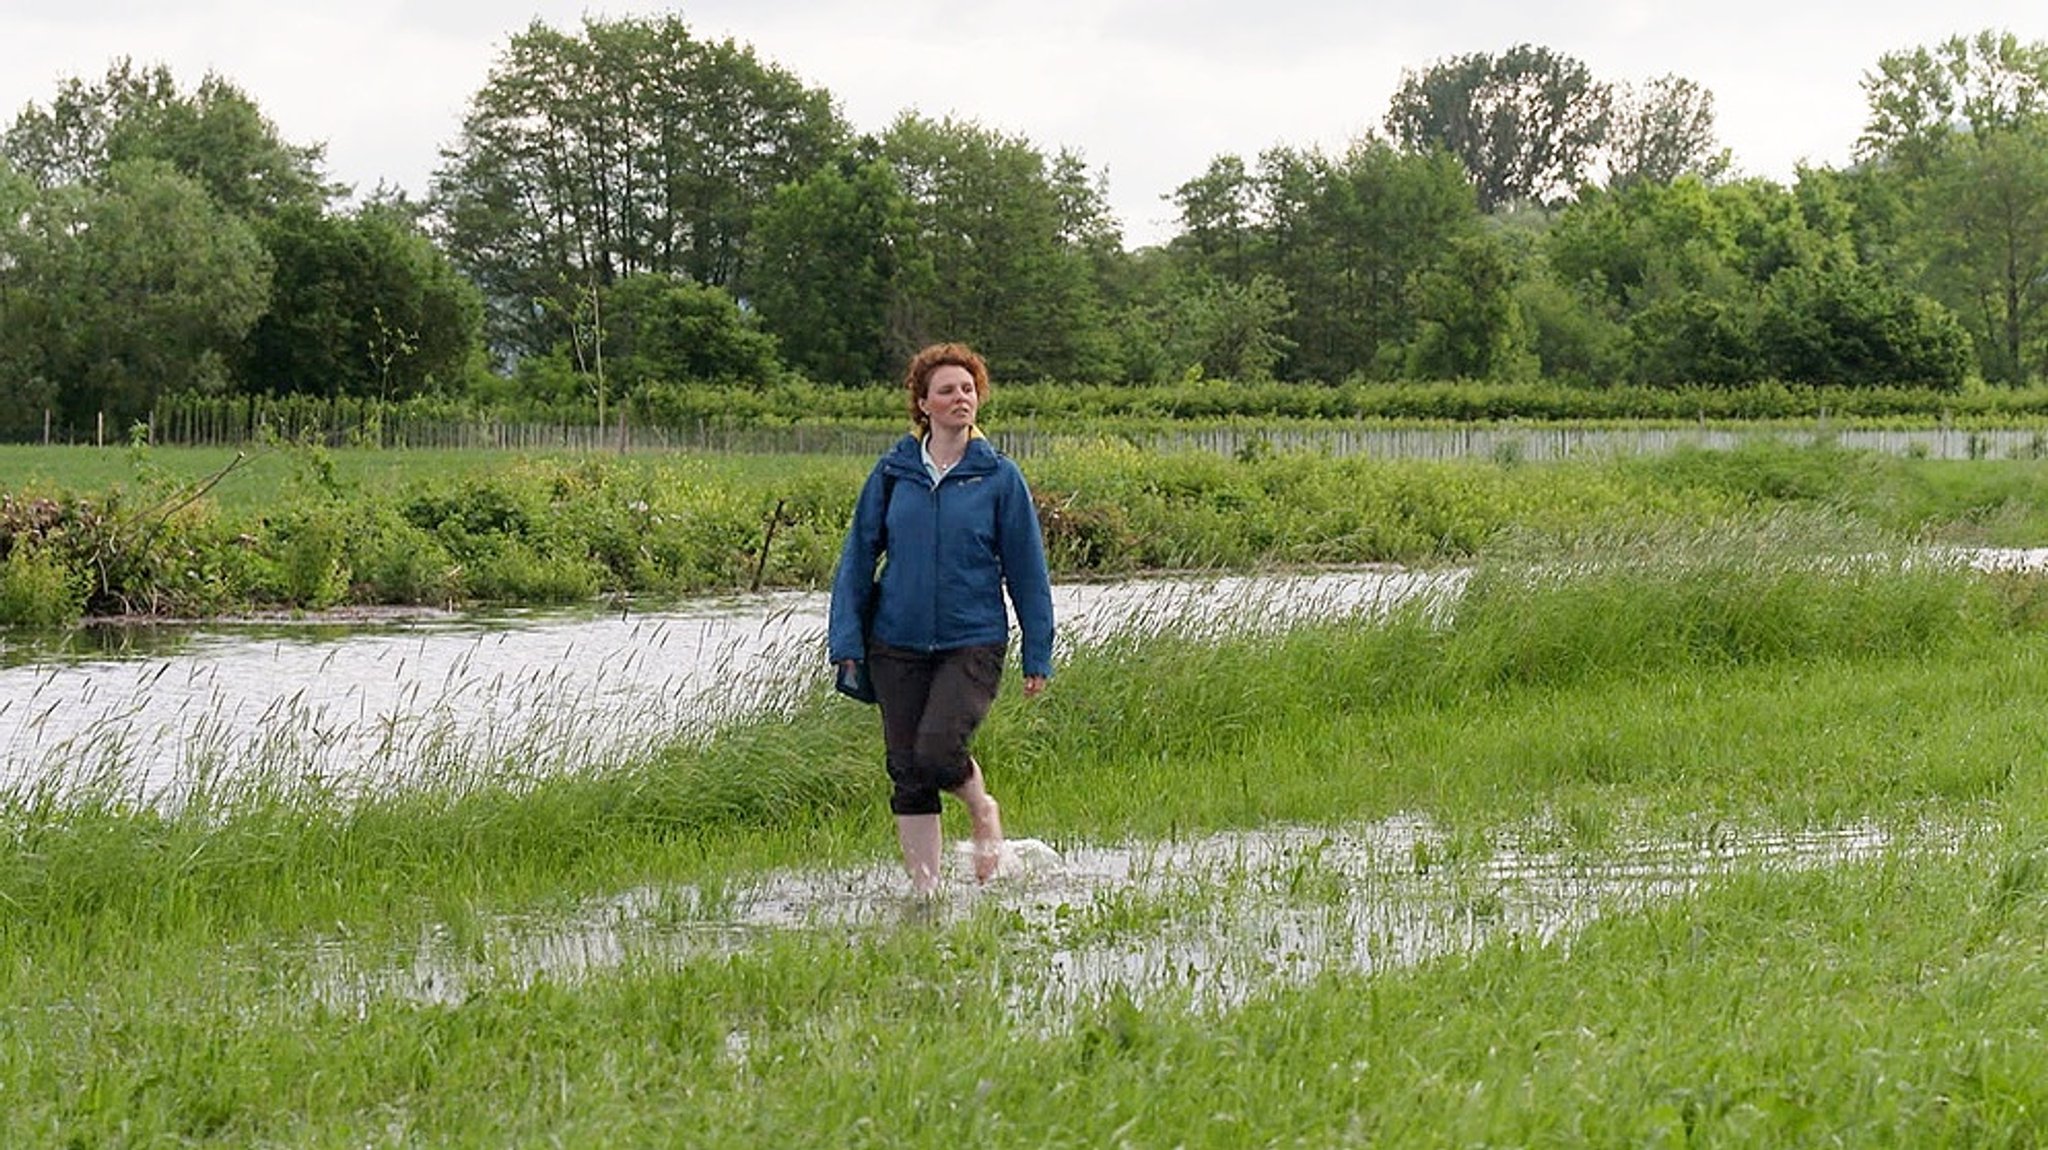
{"points": [[1009, 239], [360, 305], [1921, 98], [216, 135], [1849, 326], [836, 266], [1347, 237], [1660, 131], [1525, 124], [634, 147], [134, 287], [1984, 235], [1958, 134]]}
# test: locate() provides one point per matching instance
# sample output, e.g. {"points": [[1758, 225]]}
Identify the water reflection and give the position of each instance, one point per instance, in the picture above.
{"points": [[371, 704], [1209, 922]]}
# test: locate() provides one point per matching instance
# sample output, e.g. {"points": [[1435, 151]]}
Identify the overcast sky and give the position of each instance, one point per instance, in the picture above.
{"points": [[1146, 90]]}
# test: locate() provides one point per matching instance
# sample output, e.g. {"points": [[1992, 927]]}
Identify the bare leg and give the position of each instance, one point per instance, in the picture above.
{"points": [[987, 819], [919, 836]]}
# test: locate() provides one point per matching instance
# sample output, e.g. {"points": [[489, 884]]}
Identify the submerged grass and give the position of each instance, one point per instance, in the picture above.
{"points": [[1127, 716], [1894, 1002], [160, 985]]}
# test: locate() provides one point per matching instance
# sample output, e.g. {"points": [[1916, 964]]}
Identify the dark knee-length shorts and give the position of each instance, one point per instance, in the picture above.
{"points": [[932, 702]]}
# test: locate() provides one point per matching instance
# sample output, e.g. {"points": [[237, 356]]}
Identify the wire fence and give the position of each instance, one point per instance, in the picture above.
{"points": [[356, 425]]}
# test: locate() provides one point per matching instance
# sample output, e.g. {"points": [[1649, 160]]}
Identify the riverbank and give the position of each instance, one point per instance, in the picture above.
{"points": [[308, 530]]}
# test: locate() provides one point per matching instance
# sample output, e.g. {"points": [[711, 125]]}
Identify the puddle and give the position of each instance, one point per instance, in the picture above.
{"points": [[1209, 922]]}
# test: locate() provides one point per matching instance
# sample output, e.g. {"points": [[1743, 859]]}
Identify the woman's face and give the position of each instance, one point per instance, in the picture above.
{"points": [[950, 400]]}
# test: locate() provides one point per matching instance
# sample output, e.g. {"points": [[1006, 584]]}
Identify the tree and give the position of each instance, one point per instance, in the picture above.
{"points": [[1958, 136], [1573, 340], [632, 148], [1920, 99], [126, 290], [1852, 327], [26, 391], [1216, 219], [1615, 248], [1468, 326], [1008, 239], [834, 264], [1721, 284], [360, 305], [1985, 240], [1661, 131], [1234, 331], [216, 136], [1347, 237], [665, 329], [1526, 124], [1690, 337]]}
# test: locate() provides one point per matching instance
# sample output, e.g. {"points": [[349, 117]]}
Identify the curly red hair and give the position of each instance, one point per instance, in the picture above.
{"points": [[918, 376]]}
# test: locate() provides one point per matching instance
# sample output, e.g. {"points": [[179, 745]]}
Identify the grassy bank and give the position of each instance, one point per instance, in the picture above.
{"points": [[247, 969], [195, 534]]}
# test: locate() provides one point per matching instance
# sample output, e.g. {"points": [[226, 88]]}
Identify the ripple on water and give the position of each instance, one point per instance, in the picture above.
{"points": [[1208, 921], [447, 700]]}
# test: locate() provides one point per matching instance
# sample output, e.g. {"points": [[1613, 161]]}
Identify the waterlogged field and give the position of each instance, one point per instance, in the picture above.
{"points": [[1674, 836]]}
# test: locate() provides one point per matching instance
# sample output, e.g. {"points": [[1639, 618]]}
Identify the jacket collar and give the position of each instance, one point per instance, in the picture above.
{"points": [[907, 457]]}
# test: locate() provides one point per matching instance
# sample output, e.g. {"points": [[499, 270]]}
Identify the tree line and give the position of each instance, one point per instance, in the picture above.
{"points": [[628, 209]]}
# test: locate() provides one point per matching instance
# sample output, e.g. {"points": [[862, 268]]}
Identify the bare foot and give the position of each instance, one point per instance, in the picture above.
{"points": [[987, 819]]}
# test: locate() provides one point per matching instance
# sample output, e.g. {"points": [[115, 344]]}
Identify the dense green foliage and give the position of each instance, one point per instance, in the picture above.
{"points": [[158, 241], [1526, 124], [630, 210], [632, 148], [360, 305], [302, 529]]}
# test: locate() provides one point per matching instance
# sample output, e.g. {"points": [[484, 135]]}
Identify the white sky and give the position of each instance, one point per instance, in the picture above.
{"points": [[1147, 90]]}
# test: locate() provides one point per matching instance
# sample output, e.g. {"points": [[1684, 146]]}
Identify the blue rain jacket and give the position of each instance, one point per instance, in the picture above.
{"points": [[951, 548]]}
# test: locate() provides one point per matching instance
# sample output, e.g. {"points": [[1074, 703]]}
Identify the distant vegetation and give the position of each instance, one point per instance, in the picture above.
{"points": [[1087, 409], [605, 238], [169, 532]]}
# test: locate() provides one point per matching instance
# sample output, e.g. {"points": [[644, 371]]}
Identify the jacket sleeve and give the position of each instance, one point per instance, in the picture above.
{"points": [[854, 580], [1024, 571]]}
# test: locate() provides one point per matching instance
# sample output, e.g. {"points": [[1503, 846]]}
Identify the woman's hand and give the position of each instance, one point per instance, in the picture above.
{"points": [[1034, 686]]}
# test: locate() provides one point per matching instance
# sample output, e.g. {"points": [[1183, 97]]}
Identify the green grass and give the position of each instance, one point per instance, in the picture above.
{"points": [[171, 977], [255, 482], [305, 529]]}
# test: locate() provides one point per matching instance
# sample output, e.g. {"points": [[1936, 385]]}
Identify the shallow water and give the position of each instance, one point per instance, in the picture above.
{"points": [[532, 693], [1208, 922], [367, 705]]}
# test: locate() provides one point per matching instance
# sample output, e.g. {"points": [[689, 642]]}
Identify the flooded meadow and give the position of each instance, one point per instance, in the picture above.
{"points": [[1725, 840]]}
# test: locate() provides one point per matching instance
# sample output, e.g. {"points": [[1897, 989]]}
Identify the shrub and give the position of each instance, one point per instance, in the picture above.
{"points": [[37, 589]]}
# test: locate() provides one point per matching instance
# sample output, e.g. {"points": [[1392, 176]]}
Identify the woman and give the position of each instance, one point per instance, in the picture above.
{"points": [[952, 524]]}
